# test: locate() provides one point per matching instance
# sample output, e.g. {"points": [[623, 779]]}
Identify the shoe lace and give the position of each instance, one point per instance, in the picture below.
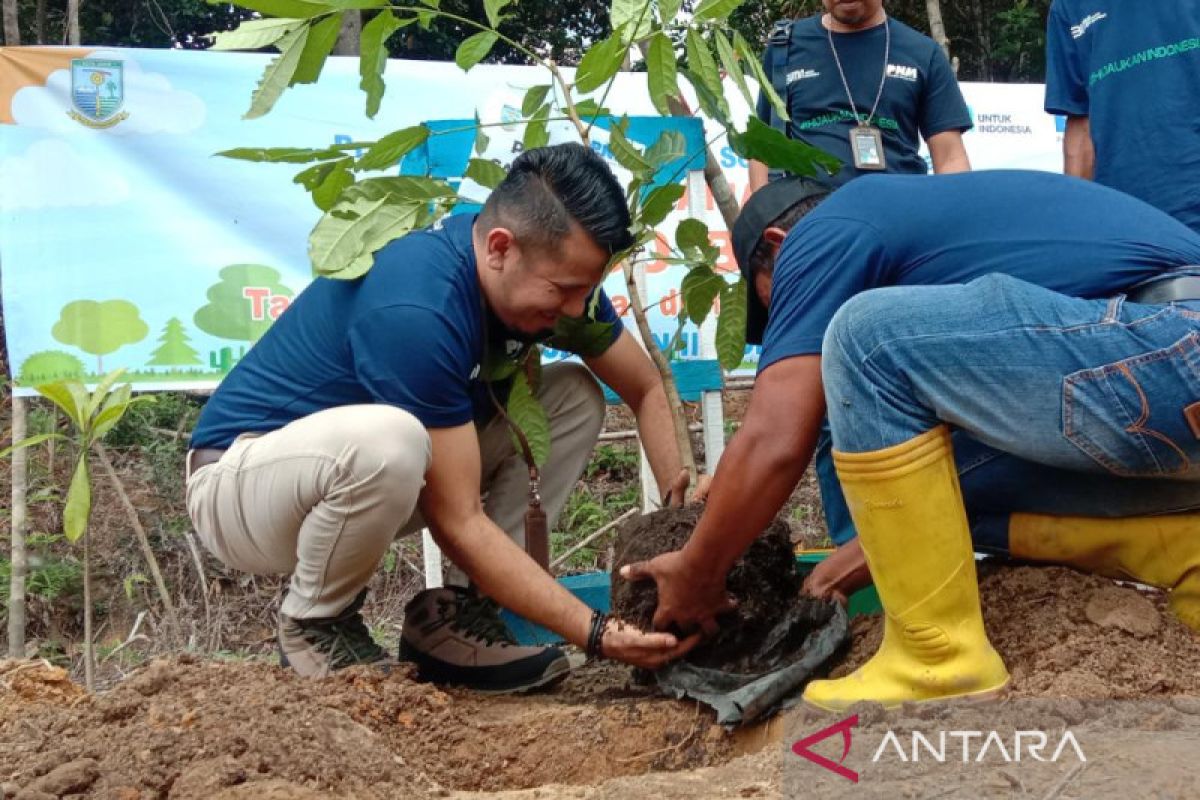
{"points": [[346, 640], [479, 617]]}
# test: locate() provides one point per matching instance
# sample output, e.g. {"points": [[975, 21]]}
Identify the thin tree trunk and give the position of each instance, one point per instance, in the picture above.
{"points": [[20, 560], [73, 22], [39, 21], [985, 41], [937, 28], [350, 35], [89, 655], [12, 31], [143, 540]]}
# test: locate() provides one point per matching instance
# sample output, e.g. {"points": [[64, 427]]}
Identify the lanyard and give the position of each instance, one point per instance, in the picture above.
{"points": [[887, 51]]}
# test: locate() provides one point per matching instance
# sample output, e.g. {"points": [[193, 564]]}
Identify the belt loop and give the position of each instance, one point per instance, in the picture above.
{"points": [[1113, 312]]}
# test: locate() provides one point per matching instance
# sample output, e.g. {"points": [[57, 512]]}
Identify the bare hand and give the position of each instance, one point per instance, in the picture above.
{"points": [[647, 650], [675, 495], [840, 575], [703, 484], [685, 598]]}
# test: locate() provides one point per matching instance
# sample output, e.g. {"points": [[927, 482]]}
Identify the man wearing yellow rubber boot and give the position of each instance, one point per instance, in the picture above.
{"points": [[990, 371]]}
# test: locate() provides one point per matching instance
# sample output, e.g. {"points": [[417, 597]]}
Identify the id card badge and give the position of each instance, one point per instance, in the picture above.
{"points": [[866, 143]]}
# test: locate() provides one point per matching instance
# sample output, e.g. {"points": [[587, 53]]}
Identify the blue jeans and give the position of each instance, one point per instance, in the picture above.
{"points": [[1059, 405]]}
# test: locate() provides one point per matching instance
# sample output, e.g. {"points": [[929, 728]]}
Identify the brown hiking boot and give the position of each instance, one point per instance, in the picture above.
{"points": [[455, 636], [316, 647]]}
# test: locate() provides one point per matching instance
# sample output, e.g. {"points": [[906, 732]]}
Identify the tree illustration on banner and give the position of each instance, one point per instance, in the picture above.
{"points": [[244, 303], [100, 328], [174, 350], [48, 366]]}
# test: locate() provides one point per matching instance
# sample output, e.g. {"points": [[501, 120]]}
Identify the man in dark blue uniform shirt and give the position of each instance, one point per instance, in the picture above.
{"points": [[855, 80], [363, 414], [1051, 323], [1127, 77]]}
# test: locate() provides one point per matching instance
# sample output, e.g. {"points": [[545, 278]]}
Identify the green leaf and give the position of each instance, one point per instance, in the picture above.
{"points": [[627, 154], [432, 3], [731, 326], [537, 133], [660, 202], [255, 33], [764, 83], [492, 8], [100, 393], [61, 395], [715, 9], [30, 442], [590, 108], [281, 155], [373, 56], [669, 146], [528, 415], [729, 60], [321, 38], [534, 99], [111, 415], [668, 10], [662, 76], [329, 191], [348, 5], [691, 237], [388, 151], [582, 335], [700, 288], [631, 13], [481, 138], [713, 106], [78, 507], [703, 66], [763, 143], [484, 172], [370, 214], [278, 74], [601, 62], [302, 9], [474, 49]]}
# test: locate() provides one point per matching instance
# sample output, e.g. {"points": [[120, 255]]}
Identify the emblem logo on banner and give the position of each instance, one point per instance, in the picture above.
{"points": [[97, 92]]}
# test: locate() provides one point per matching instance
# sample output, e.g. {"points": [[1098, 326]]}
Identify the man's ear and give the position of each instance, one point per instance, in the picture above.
{"points": [[774, 237], [499, 245]]}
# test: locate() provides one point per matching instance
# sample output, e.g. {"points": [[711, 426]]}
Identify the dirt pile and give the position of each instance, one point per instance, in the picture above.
{"points": [[764, 581], [185, 729], [1066, 634]]}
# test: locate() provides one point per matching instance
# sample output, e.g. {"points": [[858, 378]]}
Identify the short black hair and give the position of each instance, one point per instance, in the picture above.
{"points": [[547, 187], [762, 260]]}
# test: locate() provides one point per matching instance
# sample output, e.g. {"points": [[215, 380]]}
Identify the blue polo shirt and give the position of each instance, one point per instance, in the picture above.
{"points": [[1069, 235], [409, 333], [1134, 70], [920, 97]]}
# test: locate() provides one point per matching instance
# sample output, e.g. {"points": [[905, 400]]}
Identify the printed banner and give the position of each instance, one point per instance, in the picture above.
{"points": [[125, 243]]}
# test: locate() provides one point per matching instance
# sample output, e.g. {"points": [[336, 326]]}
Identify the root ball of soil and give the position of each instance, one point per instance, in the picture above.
{"points": [[764, 581]]}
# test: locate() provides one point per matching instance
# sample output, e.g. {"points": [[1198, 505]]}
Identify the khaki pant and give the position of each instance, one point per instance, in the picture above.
{"points": [[323, 497]]}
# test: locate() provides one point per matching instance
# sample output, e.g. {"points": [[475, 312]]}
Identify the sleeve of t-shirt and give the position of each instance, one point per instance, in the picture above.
{"points": [[413, 358], [815, 273], [942, 107], [1066, 84]]}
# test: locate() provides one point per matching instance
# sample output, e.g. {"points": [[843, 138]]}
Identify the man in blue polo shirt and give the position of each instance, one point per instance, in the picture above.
{"points": [[865, 88], [1127, 77], [366, 412], [1028, 312]]}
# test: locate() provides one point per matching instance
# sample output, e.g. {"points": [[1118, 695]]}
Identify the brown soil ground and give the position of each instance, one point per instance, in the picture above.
{"points": [[192, 729]]}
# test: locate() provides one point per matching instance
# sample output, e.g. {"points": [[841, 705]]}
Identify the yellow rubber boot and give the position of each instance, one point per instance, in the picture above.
{"points": [[1162, 551], [909, 513]]}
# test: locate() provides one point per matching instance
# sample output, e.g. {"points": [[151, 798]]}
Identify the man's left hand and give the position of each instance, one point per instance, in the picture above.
{"points": [[685, 599], [678, 491]]}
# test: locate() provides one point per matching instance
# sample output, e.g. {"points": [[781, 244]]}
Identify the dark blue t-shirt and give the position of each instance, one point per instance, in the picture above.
{"points": [[1069, 235], [1134, 70], [409, 333], [920, 96]]}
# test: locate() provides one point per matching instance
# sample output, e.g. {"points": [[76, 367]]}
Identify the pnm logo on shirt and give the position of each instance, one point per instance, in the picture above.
{"points": [[801, 75], [1077, 31], [902, 72]]}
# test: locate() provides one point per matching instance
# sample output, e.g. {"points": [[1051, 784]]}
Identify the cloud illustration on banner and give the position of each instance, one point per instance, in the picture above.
{"points": [[152, 103], [52, 174]]}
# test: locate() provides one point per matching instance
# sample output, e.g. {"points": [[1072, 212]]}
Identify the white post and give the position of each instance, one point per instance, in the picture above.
{"points": [[650, 498], [711, 410], [20, 563], [433, 560]]}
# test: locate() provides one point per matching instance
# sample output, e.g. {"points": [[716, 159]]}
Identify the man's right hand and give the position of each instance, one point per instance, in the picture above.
{"points": [[840, 575], [626, 643]]}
